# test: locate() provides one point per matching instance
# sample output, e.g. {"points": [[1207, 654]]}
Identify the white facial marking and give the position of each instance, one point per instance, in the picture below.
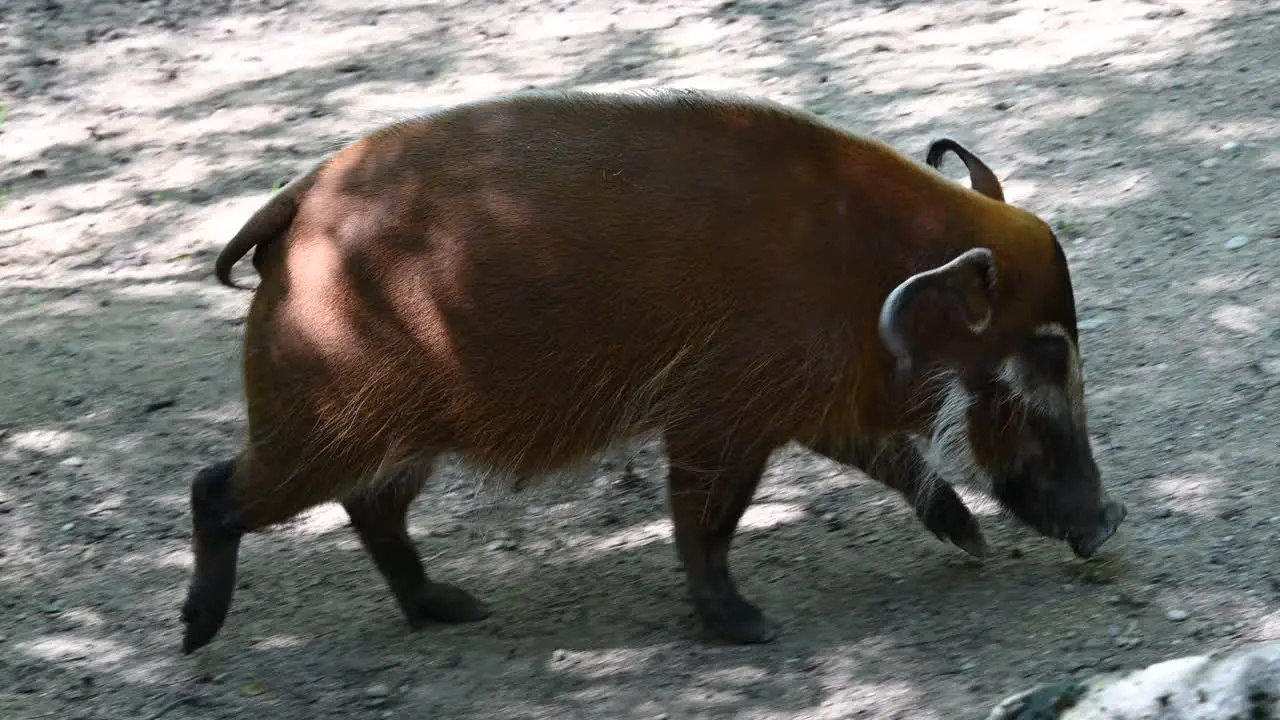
{"points": [[1047, 398], [947, 450]]}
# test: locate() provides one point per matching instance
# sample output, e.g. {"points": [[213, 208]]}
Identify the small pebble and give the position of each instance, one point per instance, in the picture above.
{"points": [[1209, 162], [73, 461], [1132, 598], [1229, 147], [1176, 615], [1203, 180], [159, 404], [377, 690], [1091, 323], [253, 689], [1236, 242], [68, 527]]}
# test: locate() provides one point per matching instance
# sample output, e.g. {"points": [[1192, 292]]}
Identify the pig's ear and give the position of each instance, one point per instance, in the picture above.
{"points": [[981, 177], [967, 282]]}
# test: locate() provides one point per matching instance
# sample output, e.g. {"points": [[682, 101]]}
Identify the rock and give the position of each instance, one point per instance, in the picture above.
{"points": [[1229, 147], [1132, 597], [1236, 242], [1176, 615], [1091, 323], [253, 689], [377, 690], [1203, 180], [159, 404], [1240, 684]]}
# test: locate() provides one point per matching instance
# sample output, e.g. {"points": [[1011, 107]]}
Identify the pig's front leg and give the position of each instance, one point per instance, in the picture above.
{"points": [[897, 464]]}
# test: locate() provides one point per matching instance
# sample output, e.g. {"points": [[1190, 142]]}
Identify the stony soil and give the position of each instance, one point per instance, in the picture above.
{"points": [[139, 135]]}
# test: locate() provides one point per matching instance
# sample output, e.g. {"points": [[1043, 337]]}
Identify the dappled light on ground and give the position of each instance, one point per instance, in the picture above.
{"points": [[137, 138]]}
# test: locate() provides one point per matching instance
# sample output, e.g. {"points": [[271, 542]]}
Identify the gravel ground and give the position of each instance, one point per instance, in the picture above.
{"points": [[138, 136]]}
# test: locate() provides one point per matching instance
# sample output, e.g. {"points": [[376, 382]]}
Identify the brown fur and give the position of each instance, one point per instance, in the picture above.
{"points": [[524, 281]]}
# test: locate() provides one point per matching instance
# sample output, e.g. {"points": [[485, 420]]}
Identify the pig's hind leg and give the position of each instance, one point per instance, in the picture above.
{"points": [[708, 493], [379, 515]]}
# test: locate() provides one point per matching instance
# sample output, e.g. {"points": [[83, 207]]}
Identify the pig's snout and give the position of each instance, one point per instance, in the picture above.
{"points": [[1086, 541]]}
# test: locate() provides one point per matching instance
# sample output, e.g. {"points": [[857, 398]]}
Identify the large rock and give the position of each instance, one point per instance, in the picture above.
{"points": [[1240, 685]]}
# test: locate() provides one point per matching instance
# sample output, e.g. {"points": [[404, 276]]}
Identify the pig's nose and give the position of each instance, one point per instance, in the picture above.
{"points": [[1114, 513], [1085, 543]]}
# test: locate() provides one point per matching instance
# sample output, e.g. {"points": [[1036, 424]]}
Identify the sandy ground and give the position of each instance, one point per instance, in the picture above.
{"points": [[138, 136]]}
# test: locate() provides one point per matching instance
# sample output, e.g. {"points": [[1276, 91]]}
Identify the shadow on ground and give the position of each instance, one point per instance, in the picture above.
{"points": [[122, 359]]}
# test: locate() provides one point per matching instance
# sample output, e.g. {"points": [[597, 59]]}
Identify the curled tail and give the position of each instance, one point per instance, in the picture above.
{"points": [[980, 176], [269, 223]]}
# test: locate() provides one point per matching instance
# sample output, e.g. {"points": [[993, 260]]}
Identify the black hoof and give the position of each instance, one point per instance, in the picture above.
{"points": [[216, 544], [947, 517], [445, 603], [202, 616], [735, 621]]}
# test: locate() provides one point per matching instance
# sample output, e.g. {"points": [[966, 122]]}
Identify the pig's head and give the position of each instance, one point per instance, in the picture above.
{"points": [[993, 347], [1028, 434], [1004, 395]]}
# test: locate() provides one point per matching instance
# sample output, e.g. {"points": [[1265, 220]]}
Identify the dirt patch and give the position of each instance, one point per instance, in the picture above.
{"points": [[137, 137]]}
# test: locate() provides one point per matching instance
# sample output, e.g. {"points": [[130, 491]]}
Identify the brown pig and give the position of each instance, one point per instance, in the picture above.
{"points": [[524, 281]]}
